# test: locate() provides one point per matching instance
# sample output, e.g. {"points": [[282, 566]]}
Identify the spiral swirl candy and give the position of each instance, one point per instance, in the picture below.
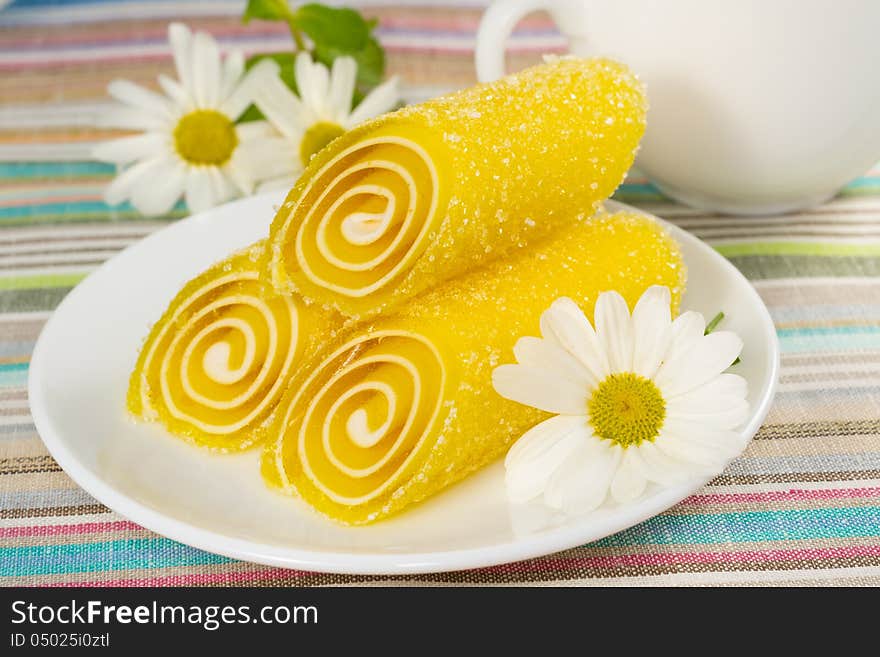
{"points": [[426, 193], [215, 365], [402, 407]]}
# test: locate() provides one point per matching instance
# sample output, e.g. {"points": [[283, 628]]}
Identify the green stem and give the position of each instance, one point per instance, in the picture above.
{"points": [[713, 323], [297, 36]]}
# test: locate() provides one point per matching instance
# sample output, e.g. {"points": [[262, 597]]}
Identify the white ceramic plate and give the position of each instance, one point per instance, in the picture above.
{"points": [[78, 378]]}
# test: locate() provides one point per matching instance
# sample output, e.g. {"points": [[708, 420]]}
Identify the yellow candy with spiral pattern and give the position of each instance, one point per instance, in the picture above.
{"points": [[399, 408], [421, 195], [218, 360]]}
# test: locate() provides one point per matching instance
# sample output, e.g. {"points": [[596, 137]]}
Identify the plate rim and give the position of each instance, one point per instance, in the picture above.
{"points": [[353, 563]]}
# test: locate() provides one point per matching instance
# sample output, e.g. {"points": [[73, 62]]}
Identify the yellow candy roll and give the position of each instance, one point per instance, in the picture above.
{"points": [[218, 360], [418, 196], [399, 409]]}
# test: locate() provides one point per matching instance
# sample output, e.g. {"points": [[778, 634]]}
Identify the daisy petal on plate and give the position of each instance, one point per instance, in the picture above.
{"points": [[581, 483], [686, 329], [629, 481], [544, 354], [696, 443], [645, 416], [565, 323], [706, 357], [539, 452], [539, 388], [614, 328], [652, 323]]}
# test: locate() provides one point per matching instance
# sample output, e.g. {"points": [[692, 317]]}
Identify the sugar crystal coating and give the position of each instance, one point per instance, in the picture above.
{"points": [[399, 408], [426, 193], [214, 366]]}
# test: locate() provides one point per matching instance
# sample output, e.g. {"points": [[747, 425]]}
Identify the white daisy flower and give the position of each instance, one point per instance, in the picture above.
{"points": [[319, 114], [639, 399], [189, 145]]}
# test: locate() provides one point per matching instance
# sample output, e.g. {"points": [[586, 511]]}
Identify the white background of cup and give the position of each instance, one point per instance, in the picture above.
{"points": [[757, 106]]}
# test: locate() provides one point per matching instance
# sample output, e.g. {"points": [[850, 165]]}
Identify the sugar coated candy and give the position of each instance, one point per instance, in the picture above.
{"points": [[397, 409], [418, 196], [215, 364]]}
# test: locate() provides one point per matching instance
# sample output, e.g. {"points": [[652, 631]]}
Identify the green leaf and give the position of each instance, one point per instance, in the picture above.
{"points": [[370, 62], [341, 29], [267, 10], [285, 61]]}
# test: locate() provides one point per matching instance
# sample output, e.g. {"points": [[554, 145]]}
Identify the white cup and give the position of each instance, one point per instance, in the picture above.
{"points": [[756, 106]]}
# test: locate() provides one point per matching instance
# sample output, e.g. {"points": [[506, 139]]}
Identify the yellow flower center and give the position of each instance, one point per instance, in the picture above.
{"points": [[316, 137], [205, 137], [627, 409]]}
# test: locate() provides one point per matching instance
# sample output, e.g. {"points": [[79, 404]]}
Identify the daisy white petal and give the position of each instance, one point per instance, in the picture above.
{"points": [[200, 157], [313, 81], [164, 190], [233, 69], [180, 38], [120, 187], [614, 328], [263, 73], [267, 157], [282, 108], [581, 483], [567, 325], [198, 190], [177, 93], [137, 96], [651, 320], [629, 481], [129, 118], [707, 357], [206, 70], [240, 175], [547, 355], [663, 469], [725, 412], [251, 130], [129, 149], [698, 444], [538, 454], [719, 403], [380, 100], [222, 188], [341, 91], [540, 389], [228, 185], [686, 329]]}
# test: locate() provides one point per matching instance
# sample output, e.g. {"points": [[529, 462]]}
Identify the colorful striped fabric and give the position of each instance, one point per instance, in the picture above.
{"points": [[801, 506]]}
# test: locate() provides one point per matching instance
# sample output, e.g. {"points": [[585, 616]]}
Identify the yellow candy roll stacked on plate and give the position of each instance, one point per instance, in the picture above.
{"points": [[398, 409], [426, 193], [217, 362]]}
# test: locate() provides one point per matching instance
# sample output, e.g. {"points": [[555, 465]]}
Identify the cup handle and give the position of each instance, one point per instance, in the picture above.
{"points": [[495, 27]]}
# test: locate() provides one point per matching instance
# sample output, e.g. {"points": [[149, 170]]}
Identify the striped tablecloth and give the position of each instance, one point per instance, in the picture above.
{"points": [[801, 506]]}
